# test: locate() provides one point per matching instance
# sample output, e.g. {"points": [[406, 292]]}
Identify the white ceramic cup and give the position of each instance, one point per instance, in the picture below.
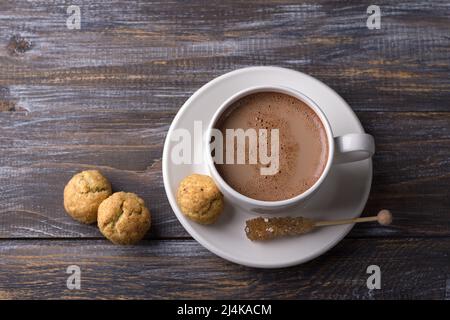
{"points": [[347, 148]]}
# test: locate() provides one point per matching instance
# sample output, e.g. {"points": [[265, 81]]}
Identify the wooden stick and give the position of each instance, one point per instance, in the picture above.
{"points": [[344, 221], [271, 228], [384, 217]]}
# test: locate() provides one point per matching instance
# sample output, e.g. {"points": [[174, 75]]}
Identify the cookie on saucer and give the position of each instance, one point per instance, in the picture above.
{"points": [[84, 193], [199, 199], [123, 218]]}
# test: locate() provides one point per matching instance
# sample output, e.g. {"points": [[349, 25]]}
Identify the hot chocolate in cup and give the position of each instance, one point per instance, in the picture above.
{"points": [[276, 148]]}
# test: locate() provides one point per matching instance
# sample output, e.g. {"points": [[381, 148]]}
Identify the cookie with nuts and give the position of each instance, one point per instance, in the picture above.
{"points": [[123, 218], [84, 193], [199, 199]]}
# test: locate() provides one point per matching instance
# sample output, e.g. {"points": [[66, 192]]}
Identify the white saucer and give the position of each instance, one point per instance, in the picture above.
{"points": [[343, 194]]}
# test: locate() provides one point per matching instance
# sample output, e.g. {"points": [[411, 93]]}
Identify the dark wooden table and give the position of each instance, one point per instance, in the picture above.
{"points": [[104, 97]]}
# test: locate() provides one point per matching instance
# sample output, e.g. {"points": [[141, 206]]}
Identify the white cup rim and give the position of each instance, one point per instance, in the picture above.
{"points": [[269, 88]]}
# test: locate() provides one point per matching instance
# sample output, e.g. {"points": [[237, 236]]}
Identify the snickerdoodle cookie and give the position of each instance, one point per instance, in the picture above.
{"points": [[200, 199], [123, 218], [84, 193]]}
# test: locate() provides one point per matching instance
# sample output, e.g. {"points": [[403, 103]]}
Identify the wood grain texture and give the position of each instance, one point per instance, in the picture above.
{"points": [[104, 97], [139, 52], [410, 268], [411, 171]]}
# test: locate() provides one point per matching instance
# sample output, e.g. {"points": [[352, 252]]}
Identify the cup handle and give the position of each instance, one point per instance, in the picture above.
{"points": [[353, 147]]}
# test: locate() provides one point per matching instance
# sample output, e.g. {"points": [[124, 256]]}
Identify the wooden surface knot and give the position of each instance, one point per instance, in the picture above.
{"points": [[6, 101], [18, 45]]}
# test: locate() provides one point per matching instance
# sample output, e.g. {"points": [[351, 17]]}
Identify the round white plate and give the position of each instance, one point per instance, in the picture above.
{"points": [[343, 195]]}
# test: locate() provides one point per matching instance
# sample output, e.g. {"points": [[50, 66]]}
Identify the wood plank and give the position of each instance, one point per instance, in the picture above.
{"points": [[410, 269], [411, 170], [145, 59], [104, 96], [138, 54]]}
